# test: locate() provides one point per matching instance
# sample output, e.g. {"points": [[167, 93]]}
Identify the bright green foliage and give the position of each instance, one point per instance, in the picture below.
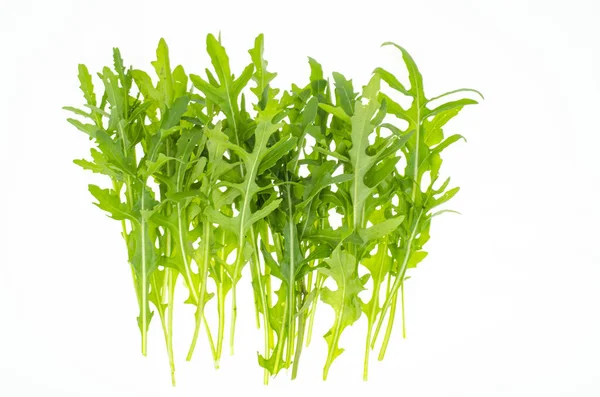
{"points": [[199, 177]]}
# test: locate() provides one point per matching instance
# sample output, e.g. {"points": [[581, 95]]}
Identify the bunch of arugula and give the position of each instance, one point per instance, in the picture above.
{"points": [[204, 184]]}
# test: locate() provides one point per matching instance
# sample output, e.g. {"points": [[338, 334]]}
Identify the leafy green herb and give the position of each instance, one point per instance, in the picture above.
{"points": [[204, 184]]}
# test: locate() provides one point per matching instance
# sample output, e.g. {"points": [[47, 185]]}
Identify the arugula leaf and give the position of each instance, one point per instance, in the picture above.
{"points": [[206, 180], [344, 300]]}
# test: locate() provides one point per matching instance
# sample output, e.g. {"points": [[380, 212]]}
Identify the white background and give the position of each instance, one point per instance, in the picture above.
{"points": [[507, 303]]}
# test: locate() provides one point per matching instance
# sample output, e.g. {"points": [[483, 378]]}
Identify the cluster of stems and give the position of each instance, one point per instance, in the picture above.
{"points": [[205, 183]]}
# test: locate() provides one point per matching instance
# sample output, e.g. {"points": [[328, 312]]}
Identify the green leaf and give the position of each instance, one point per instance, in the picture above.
{"points": [[242, 81], [120, 69], [219, 59], [78, 112], [416, 258], [381, 229], [318, 82], [433, 159], [261, 213], [152, 167], [109, 201], [391, 80], [292, 257], [86, 85], [455, 91], [89, 129], [459, 104], [378, 265], [379, 172], [271, 263], [443, 212], [174, 113], [337, 112], [433, 129], [444, 198], [332, 154], [344, 300], [114, 93], [320, 179], [276, 152], [100, 165], [344, 93], [261, 76], [360, 160], [447, 142], [180, 82], [414, 75], [394, 108], [144, 84], [162, 66]]}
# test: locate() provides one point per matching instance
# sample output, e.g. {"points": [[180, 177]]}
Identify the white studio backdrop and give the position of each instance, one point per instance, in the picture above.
{"points": [[506, 304]]}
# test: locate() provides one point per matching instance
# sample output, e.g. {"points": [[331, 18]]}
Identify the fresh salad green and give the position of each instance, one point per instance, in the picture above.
{"points": [[212, 173]]}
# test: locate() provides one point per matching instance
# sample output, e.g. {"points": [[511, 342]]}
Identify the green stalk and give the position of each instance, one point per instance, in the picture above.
{"points": [[367, 351], [291, 286], [388, 331], [161, 313], [221, 332], [211, 343], [403, 319], [214, 351], [171, 281], [371, 320], [320, 280], [256, 297], [309, 281], [281, 337], [186, 261], [263, 301], [318, 285], [299, 343], [221, 305], [379, 324], [268, 293], [238, 261], [143, 297], [144, 284], [354, 222], [118, 188], [336, 337], [291, 331], [203, 270], [399, 280]]}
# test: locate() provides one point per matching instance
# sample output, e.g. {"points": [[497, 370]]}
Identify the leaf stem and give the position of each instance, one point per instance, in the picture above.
{"points": [[371, 321], [144, 280], [335, 337], [367, 351], [268, 293], [401, 271], [221, 304], [263, 300], [280, 339], [172, 279], [388, 330], [203, 269], [403, 319], [380, 323], [292, 269], [299, 343], [320, 279]]}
